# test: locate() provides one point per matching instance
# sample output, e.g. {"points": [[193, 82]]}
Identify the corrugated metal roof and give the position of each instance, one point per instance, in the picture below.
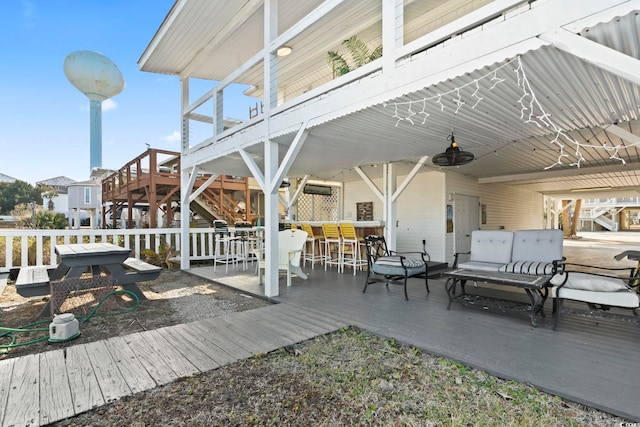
{"points": [[579, 98]]}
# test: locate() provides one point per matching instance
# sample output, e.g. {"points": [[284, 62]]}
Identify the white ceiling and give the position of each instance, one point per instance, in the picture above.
{"points": [[582, 99]]}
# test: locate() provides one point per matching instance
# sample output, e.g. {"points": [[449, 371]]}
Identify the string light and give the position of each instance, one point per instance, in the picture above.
{"points": [[531, 112]]}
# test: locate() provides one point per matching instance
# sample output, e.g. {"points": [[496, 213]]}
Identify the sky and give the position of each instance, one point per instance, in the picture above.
{"points": [[44, 120]]}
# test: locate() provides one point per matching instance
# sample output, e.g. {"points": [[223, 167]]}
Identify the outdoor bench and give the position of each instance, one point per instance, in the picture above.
{"points": [[525, 259], [33, 281], [522, 252], [142, 267]]}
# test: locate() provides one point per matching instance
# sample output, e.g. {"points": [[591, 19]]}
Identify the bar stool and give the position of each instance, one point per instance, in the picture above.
{"points": [[226, 246], [351, 243], [332, 245], [312, 239], [242, 247]]}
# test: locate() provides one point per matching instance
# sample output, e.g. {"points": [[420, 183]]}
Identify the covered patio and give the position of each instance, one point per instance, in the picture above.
{"points": [[590, 361]]}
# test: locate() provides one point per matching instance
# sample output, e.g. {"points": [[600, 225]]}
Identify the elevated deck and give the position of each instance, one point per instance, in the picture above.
{"points": [[148, 180]]}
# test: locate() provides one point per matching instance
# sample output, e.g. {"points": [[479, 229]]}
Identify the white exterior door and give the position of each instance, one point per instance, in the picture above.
{"points": [[466, 218]]}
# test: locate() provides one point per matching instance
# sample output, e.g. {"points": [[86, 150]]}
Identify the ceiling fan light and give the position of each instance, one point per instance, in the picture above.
{"points": [[453, 155]]}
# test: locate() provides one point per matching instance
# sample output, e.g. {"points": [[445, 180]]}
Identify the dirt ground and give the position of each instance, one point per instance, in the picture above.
{"points": [[175, 297]]}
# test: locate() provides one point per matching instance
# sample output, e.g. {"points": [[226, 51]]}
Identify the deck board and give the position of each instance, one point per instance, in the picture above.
{"points": [[83, 383], [218, 352], [267, 338], [220, 334], [55, 394], [25, 383], [165, 349], [190, 349], [157, 367], [6, 372], [111, 381], [287, 327], [133, 371]]}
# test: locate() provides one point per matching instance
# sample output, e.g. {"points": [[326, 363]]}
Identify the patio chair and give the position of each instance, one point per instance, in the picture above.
{"points": [[391, 267], [290, 247]]}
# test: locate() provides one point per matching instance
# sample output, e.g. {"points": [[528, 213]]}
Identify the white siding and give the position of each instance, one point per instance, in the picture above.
{"points": [[421, 214], [420, 211], [507, 207]]}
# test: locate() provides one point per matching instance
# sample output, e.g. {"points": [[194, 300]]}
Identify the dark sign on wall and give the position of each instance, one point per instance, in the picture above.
{"points": [[364, 211]]}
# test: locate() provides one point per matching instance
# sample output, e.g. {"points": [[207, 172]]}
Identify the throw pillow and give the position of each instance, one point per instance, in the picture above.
{"points": [[528, 267]]}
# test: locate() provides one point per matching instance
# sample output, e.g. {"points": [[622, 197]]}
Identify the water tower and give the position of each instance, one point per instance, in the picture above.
{"points": [[98, 78]]}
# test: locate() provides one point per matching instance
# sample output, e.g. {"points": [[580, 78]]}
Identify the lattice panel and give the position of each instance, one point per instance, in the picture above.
{"points": [[314, 207], [80, 295]]}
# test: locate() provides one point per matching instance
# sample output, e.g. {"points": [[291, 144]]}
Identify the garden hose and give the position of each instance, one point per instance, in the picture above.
{"points": [[32, 327]]}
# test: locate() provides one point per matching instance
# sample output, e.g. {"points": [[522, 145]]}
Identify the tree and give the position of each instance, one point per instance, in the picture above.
{"points": [[49, 193], [576, 218], [360, 55], [15, 193], [48, 220]]}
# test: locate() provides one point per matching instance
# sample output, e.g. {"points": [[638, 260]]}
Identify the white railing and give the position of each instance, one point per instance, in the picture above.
{"points": [[21, 248]]}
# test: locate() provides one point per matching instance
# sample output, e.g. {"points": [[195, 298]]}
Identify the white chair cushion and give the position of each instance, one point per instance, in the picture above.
{"points": [[590, 282], [537, 245], [624, 298]]}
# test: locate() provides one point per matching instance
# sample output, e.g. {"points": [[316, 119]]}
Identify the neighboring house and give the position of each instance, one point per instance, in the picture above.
{"points": [[59, 199], [6, 179], [542, 93], [85, 196]]}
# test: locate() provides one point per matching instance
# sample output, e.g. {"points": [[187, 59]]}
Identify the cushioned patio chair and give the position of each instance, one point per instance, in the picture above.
{"points": [[392, 267]]}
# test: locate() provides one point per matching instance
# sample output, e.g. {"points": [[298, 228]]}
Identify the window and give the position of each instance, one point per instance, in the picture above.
{"points": [[87, 195]]}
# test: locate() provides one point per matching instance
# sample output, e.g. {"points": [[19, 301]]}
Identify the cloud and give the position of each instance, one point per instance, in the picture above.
{"points": [[174, 137], [109, 104]]}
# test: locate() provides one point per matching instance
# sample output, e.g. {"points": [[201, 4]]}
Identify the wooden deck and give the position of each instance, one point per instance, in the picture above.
{"points": [[595, 362], [42, 388]]}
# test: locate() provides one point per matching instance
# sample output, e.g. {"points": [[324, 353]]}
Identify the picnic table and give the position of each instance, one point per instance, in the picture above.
{"points": [[86, 266]]}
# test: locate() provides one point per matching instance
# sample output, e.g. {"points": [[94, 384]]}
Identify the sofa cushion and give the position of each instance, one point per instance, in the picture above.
{"points": [[477, 265], [528, 267], [537, 245], [590, 282], [493, 246]]}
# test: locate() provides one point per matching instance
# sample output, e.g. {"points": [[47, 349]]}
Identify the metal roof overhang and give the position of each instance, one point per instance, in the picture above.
{"points": [[589, 102]]}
